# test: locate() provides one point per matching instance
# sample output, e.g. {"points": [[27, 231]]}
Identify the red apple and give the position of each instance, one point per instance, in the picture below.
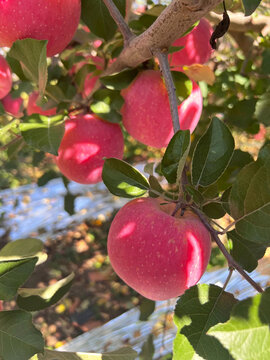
{"points": [[158, 255], [52, 20], [197, 49], [87, 140], [146, 111], [13, 106], [33, 108], [5, 77]]}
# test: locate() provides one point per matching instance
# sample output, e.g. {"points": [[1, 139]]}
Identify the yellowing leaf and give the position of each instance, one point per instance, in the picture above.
{"points": [[199, 72]]}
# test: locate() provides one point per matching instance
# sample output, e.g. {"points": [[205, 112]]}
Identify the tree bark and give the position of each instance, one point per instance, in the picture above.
{"points": [[177, 18]]}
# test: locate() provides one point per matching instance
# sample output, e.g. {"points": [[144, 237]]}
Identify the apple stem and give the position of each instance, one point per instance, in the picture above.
{"points": [[166, 73], [231, 262], [120, 21]]}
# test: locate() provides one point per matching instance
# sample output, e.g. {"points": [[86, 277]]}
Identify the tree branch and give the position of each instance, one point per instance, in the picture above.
{"points": [[165, 70], [175, 19], [120, 21], [231, 262]]}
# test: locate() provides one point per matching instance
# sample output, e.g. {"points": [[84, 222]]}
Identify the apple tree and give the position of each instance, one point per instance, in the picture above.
{"points": [[78, 80]]}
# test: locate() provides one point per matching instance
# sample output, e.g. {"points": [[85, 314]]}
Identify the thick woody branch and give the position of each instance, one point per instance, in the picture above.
{"points": [[177, 18], [120, 21], [165, 70]]}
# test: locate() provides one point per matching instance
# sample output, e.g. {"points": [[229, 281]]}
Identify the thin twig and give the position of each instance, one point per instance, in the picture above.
{"points": [[120, 21], [165, 69], [231, 262], [228, 278], [13, 141]]}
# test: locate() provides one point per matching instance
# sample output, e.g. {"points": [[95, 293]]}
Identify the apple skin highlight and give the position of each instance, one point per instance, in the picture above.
{"points": [[156, 254]]}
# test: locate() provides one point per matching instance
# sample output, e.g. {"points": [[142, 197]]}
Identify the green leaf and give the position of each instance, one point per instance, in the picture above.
{"points": [[245, 252], [183, 85], [250, 200], [262, 111], [120, 80], [242, 114], [246, 334], [196, 311], [250, 6], [21, 249], [238, 161], [31, 55], [97, 17], [19, 339], [147, 307], [13, 274], [212, 154], [155, 185], [39, 299], [47, 176], [107, 104], [44, 133], [69, 203], [214, 210], [175, 156], [125, 353], [123, 179], [148, 349], [266, 62]]}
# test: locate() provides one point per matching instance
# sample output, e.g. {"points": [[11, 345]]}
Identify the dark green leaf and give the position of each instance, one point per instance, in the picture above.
{"points": [[238, 161], [47, 176], [38, 156], [147, 307], [246, 335], [266, 62], [123, 179], [14, 273], [242, 114], [262, 112], [214, 210], [41, 298], [250, 6], [250, 200], [97, 17], [195, 194], [44, 133], [19, 339], [197, 310], [120, 80], [148, 349], [175, 156], [31, 55], [212, 154], [155, 185], [69, 203], [245, 252]]}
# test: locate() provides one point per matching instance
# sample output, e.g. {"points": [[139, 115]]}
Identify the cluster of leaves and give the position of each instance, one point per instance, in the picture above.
{"points": [[219, 180], [19, 338]]}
